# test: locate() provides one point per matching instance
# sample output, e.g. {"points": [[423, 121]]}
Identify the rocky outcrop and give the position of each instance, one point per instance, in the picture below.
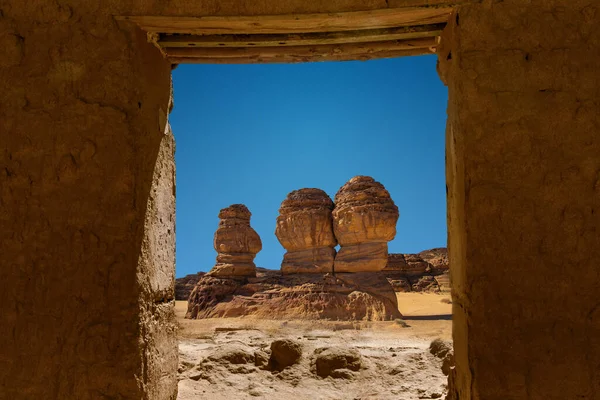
{"points": [[444, 351], [437, 259], [427, 271], [343, 296], [273, 295], [185, 285], [410, 265], [364, 221], [337, 362], [284, 353], [236, 243], [304, 229]]}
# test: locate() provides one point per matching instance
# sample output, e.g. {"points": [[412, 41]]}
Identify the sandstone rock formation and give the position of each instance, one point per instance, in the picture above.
{"points": [[185, 285], [364, 220], [236, 243], [427, 271], [444, 351], [273, 295], [437, 258], [408, 264], [345, 296], [304, 229]]}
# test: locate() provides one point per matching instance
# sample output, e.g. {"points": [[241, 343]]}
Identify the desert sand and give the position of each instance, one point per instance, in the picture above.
{"points": [[218, 356]]}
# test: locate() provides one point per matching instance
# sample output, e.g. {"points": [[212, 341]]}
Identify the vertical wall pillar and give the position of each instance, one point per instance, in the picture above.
{"points": [[86, 207], [523, 173]]}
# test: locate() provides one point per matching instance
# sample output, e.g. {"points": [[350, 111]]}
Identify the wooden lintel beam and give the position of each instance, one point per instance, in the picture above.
{"points": [[297, 39], [356, 49], [295, 23], [287, 58]]}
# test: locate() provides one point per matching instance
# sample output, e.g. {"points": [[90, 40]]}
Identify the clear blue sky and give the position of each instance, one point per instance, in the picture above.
{"points": [[252, 133]]}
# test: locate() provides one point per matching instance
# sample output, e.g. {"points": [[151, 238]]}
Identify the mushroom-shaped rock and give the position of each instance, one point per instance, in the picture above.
{"points": [[236, 243], [304, 229], [364, 220]]}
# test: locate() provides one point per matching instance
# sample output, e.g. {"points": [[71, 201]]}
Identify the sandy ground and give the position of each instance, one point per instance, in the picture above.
{"points": [[396, 363]]}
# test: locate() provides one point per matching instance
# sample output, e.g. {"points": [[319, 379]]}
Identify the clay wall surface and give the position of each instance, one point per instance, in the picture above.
{"points": [[86, 206], [523, 175], [87, 210], [87, 196]]}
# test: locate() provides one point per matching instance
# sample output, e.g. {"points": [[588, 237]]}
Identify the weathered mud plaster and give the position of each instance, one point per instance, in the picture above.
{"points": [[86, 207], [85, 281], [523, 176]]}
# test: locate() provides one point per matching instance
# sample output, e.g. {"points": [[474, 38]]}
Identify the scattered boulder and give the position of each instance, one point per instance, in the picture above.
{"points": [[364, 220], [284, 353], [440, 348], [236, 243], [337, 362], [444, 351], [305, 230]]}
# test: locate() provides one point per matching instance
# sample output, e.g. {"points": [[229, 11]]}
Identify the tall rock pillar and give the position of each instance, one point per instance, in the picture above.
{"points": [[304, 229], [236, 243], [364, 221]]}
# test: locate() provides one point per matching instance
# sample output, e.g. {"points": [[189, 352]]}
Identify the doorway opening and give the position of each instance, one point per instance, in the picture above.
{"points": [[252, 134]]}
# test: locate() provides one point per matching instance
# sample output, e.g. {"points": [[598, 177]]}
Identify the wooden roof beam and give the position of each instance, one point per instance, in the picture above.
{"points": [[295, 23], [308, 53], [300, 39], [292, 58]]}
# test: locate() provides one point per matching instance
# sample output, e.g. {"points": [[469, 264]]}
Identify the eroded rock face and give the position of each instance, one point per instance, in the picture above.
{"points": [[437, 258], [364, 221], [304, 229], [185, 285], [427, 271], [409, 264], [444, 351], [273, 295], [236, 243]]}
